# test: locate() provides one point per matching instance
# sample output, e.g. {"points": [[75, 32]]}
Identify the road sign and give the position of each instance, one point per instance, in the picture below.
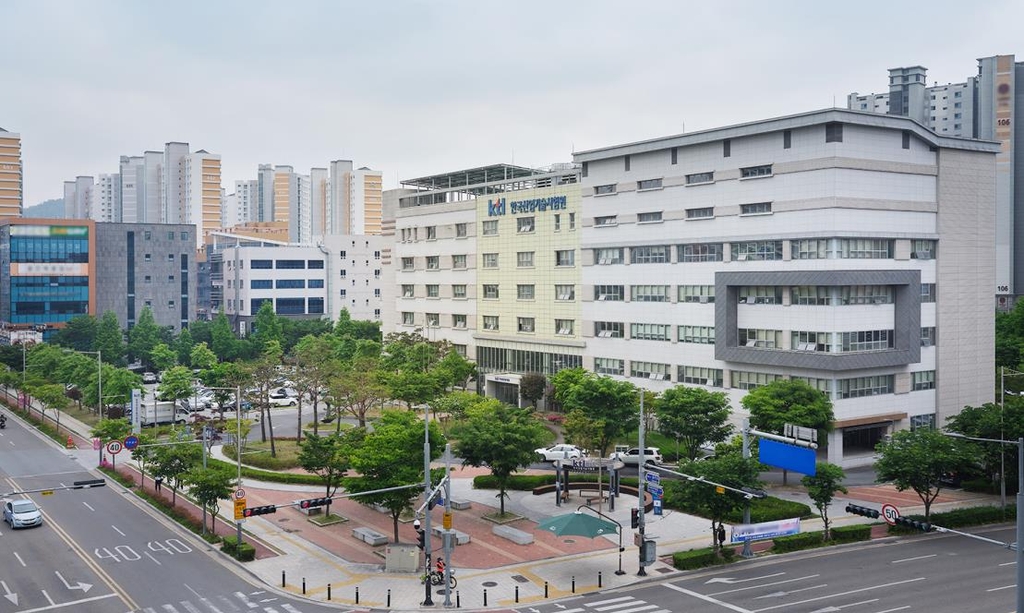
{"points": [[131, 442], [239, 508], [114, 447], [652, 477], [239, 494], [890, 514], [656, 490]]}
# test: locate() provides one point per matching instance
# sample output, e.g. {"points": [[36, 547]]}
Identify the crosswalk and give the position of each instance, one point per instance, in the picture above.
{"points": [[624, 604], [232, 603]]}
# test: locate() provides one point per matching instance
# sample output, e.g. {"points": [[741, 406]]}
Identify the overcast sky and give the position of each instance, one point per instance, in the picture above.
{"points": [[420, 87]]}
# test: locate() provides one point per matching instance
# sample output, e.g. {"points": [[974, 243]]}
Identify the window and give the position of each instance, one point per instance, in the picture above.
{"points": [[811, 341], [608, 220], [833, 132], [376, 255], [787, 135], [655, 254], [609, 366], [650, 370], [572, 221], [700, 177], [864, 248], [927, 292], [459, 261], [922, 249], [433, 320], [586, 168], [147, 279], [810, 249], [170, 235], [261, 264], [866, 294], [712, 377], [760, 339], [147, 235], [609, 329], [922, 421], [760, 294], [696, 293], [490, 228], [524, 259], [649, 293], [818, 295], [753, 172], [604, 190], [491, 292], [407, 264], [906, 139], [746, 380], [565, 257], [650, 332], [564, 327], [433, 290], [459, 291], [859, 387], [648, 184], [408, 318], [706, 212], [460, 230], [757, 250], [491, 322], [758, 208], [490, 260], [253, 283], [565, 293], [700, 252], [458, 321], [610, 293], [524, 324], [675, 155], [928, 336], [726, 148], [866, 340], [315, 264], [609, 255], [315, 284], [290, 264], [291, 284], [558, 222], [525, 292], [431, 233], [704, 335], [408, 291], [433, 262], [924, 380], [654, 217], [524, 225], [343, 273]]}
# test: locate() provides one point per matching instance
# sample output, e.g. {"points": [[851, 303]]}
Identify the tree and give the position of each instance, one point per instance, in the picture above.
{"points": [[111, 429], [183, 345], [358, 388], [392, 456], [532, 386], [992, 421], [822, 487], [693, 416], [51, 396], [600, 398], [583, 431], [143, 336], [413, 387], [172, 462], [328, 456], [207, 486], [79, 333], [223, 340], [453, 369], [110, 339], [266, 326], [315, 367], [143, 453], [176, 384], [202, 357], [163, 357], [917, 460], [501, 437], [263, 375]]}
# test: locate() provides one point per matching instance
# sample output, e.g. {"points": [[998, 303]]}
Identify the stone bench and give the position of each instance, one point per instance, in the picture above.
{"points": [[369, 536], [461, 505], [515, 535], [310, 510], [461, 538]]}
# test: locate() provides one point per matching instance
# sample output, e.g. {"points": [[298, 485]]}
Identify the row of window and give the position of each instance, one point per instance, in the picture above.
{"points": [[285, 283], [699, 178], [491, 323], [287, 264], [806, 249], [758, 294], [148, 235], [524, 259], [524, 225], [290, 306]]}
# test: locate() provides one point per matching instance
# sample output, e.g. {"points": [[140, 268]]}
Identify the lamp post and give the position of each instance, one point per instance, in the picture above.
{"points": [[1019, 551], [427, 600], [238, 445]]}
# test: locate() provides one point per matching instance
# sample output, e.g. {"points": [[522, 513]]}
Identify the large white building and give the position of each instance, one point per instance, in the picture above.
{"points": [[10, 174], [105, 199]]}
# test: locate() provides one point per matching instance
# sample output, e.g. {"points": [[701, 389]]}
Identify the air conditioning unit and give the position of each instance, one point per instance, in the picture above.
{"points": [[923, 255]]}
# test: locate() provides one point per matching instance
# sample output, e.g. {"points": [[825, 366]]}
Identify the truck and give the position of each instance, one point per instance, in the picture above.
{"points": [[161, 412]]}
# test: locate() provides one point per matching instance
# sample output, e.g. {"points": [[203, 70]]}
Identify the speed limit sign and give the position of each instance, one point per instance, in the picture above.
{"points": [[890, 514], [239, 494]]}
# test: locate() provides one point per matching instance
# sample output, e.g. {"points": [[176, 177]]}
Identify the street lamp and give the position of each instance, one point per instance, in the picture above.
{"points": [[1019, 557]]}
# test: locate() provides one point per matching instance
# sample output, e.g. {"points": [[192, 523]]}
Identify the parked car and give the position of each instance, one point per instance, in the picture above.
{"points": [[631, 457], [559, 452], [283, 392], [22, 513], [286, 401], [149, 377]]}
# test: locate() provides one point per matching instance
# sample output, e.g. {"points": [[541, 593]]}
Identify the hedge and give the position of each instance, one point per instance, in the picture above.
{"points": [[699, 558], [268, 475], [851, 534], [796, 542], [771, 509], [959, 518], [245, 552], [528, 482]]}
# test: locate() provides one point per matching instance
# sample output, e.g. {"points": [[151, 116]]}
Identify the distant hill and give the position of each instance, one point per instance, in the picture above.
{"points": [[47, 209]]}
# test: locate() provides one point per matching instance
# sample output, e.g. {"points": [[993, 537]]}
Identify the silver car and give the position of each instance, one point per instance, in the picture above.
{"points": [[22, 513]]}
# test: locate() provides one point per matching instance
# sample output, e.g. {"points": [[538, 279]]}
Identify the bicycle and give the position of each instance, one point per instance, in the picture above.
{"points": [[436, 577]]}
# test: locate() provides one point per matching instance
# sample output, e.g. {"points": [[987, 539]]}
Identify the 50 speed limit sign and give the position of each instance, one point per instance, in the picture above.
{"points": [[890, 514]]}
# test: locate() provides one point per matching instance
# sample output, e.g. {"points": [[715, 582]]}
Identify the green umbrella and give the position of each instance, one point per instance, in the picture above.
{"points": [[579, 524]]}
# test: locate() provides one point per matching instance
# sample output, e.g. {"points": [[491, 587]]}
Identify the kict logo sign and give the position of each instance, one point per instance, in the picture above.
{"points": [[495, 207]]}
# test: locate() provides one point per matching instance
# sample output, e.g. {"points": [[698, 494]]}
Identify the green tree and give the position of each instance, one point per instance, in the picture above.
{"points": [[173, 462], [267, 327], [207, 486], [917, 460], [79, 333], [223, 340], [110, 339], [111, 429], [143, 336], [413, 387], [822, 487], [392, 456], [315, 365], [163, 357], [263, 375], [202, 357], [176, 384], [600, 398], [357, 388], [118, 384], [503, 438], [183, 345], [294, 330], [582, 430], [454, 370], [693, 416], [51, 396], [328, 456], [143, 453], [532, 386], [995, 422]]}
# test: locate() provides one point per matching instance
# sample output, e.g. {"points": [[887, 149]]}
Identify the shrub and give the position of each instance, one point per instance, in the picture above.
{"points": [[796, 542], [245, 553], [699, 558], [556, 418], [959, 518], [229, 545], [851, 534], [771, 509]]}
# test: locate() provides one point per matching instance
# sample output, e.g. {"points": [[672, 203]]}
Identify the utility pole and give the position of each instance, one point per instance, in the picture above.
{"points": [[427, 601], [641, 489]]}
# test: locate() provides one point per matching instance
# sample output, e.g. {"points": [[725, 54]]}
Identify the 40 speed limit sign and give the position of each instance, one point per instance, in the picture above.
{"points": [[890, 514]]}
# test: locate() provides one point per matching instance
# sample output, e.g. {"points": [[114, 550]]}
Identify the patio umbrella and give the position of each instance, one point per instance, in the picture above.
{"points": [[579, 524]]}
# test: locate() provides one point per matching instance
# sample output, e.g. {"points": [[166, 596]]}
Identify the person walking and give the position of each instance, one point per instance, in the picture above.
{"points": [[159, 481]]}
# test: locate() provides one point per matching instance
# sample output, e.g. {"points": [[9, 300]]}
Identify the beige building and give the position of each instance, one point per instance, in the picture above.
{"points": [[10, 175], [354, 199]]}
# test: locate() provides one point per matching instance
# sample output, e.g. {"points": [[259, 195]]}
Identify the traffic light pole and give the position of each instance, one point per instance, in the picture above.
{"points": [[640, 493], [427, 601]]}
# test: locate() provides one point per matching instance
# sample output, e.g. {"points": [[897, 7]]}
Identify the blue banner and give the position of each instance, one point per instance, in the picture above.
{"points": [[790, 457]]}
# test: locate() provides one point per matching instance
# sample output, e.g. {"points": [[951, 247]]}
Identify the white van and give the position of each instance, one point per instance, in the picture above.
{"points": [[163, 412]]}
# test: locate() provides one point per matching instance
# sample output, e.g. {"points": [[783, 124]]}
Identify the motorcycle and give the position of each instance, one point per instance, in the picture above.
{"points": [[436, 577]]}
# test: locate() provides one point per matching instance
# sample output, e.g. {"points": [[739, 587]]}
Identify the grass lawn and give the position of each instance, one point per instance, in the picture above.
{"points": [[258, 454]]}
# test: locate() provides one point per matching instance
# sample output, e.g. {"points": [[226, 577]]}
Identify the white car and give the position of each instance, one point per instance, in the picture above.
{"points": [[631, 457], [559, 452], [22, 513], [283, 402], [149, 377]]}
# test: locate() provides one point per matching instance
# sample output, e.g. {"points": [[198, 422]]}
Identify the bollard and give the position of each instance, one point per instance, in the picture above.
{"points": [[517, 594], [282, 578], [357, 594], [545, 589], [458, 600], [599, 579], [389, 598], [574, 584], [328, 591], [485, 597], [303, 586]]}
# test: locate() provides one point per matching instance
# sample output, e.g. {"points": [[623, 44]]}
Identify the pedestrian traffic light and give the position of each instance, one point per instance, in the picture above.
{"points": [[634, 518], [421, 538], [251, 511], [865, 511], [914, 524], [311, 503]]}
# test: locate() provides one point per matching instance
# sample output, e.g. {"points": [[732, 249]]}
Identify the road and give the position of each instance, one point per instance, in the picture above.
{"points": [[933, 573], [100, 551]]}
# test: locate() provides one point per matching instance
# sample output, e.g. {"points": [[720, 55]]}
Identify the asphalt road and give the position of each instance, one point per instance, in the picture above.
{"points": [[100, 551], [933, 573]]}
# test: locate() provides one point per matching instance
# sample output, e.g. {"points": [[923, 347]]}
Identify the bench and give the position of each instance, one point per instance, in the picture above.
{"points": [[461, 505], [593, 496], [516, 536], [369, 536], [549, 488], [461, 538], [310, 510]]}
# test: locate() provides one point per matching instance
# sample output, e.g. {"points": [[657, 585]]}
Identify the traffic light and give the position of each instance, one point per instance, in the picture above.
{"points": [[251, 511], [865, 511], [634, 518], [914, 524], [311, 503], [421, 538]]}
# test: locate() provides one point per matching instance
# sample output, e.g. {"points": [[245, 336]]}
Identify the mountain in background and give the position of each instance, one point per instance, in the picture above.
{"points": [[47, 209]]}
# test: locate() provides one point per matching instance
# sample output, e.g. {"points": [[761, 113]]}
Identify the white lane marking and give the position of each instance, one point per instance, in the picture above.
{"points": [[730, 580], [896, 609], [619, 606], [19, 559], [118, 531], [760, 585], [780, 594], [48, 599], [210, 605], [191, 608], [152, 558], [846, 593], [720, 603], [576, 610], [1005, 587], [245, 599], [88, 507], [609, 601], [854, 604], [914, 559], [643, 607], [290, 608], [170, 608], [69, 604], [149, 610], [1008, 563]]}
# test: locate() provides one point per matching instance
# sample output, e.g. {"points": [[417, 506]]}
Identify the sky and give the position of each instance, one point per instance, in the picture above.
{"points": [[413, 88]]}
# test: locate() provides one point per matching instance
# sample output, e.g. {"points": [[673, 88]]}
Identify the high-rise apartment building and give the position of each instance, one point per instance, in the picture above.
{"points": [[78, 197], [105, 199], [133, 187], [200, 199], [319, 186], [985, 107], [355, 199], [10, 175], [172, 182]]}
